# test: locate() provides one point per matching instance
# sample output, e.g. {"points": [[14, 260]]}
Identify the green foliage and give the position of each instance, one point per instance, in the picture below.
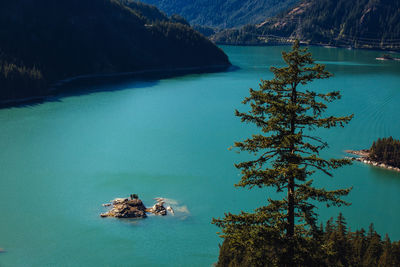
{"points": [[287, 154], [223, 13], [14, 76], [337, 247], [247, 35], [179, 19], [386, 150], [146, 12], [359, 24], [205, 30], [67, 38]]}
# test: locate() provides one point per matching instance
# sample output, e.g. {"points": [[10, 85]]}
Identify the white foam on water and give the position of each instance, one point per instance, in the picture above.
{"points": [[174, 205], [168, 201], [183, 209]]}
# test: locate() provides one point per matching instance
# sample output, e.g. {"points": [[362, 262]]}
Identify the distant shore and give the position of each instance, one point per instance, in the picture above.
{"points": [[363, 156], [288, 43]]}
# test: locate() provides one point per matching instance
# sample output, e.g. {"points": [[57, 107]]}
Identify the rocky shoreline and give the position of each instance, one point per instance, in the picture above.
{"points": [[134, 208], [363, 156]]}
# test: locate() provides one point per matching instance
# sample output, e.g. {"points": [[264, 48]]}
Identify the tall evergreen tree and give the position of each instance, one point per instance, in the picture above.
{"points": [[287, 154], [340, 242], [374, 248], [386, 258], [358, 244]]}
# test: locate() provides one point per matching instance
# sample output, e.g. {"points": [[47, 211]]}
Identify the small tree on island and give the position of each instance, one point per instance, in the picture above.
{"points": [[282, 232]]}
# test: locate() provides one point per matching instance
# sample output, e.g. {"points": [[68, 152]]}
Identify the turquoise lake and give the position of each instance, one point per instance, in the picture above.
{"points": [[61, 160]]}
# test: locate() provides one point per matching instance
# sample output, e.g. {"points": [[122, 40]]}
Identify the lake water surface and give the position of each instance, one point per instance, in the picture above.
{"points": [[61, 160]]}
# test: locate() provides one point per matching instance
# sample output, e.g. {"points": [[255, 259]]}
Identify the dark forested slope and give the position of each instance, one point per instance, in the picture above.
{"points": [[386, 150], [360, 24], [223, 13], [42, 41]]}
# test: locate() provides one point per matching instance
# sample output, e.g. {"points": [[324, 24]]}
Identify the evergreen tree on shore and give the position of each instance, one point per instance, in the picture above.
{"points": [[386, 150], [287, 154], [336, 246]]}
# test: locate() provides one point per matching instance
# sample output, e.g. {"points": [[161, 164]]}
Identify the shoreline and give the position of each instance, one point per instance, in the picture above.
{"points": [[55, 90], [363, 156], [138, 73], [371, 48]]}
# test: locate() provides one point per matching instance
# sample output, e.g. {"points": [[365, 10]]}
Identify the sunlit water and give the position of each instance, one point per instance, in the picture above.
{"points": [[61, 160]]}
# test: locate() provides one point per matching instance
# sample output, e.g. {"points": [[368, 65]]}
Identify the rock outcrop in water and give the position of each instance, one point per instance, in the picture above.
{"points": [[134, 208], [126, 208], [364, 157], [158, 208]]}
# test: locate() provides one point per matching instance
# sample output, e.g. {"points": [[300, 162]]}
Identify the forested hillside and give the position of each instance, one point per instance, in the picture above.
{"points": [[386, 150], [223, 13], [334, 245], [358, 24], [43, 41]]}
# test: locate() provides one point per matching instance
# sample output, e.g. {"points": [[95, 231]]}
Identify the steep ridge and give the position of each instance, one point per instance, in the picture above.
{"points": [[358, 24], [43, 41], [223, 13]]}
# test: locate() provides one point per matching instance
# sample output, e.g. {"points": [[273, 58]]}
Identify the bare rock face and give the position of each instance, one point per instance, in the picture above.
{"points": [[134, 208], [158, 209], [126, 208]]}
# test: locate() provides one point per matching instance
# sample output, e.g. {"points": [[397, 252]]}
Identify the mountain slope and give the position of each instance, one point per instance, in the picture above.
{"points": [[359, 24], [223, 13], [43, 41]]}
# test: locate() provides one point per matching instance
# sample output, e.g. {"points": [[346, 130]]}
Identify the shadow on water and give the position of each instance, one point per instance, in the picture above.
{"points": [[85, 85], [388, 176]]}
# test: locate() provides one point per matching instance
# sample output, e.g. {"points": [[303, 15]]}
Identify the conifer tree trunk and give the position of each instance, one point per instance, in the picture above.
{"points": [[290, 196], [290, 221], [291, 178]]}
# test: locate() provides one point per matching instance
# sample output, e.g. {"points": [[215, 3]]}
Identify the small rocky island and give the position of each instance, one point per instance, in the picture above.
{"points": [[134, 208], [384, 153]]}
